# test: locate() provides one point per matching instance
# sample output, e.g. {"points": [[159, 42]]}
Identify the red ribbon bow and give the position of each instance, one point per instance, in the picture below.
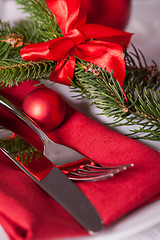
{"points": [[94, 43]]}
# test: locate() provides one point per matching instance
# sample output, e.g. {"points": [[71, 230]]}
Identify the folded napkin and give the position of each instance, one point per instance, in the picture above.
{"points": [[26, 212]]}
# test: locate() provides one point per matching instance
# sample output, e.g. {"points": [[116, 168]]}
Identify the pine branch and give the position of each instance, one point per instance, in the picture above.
{"points": [[40, 13], [12, 68], [4, 29], [95, 83], [13, 72], [147, 107], [12, 39], [8, 39], [141, 89], [138, 72], [22, 32], [20, 149]]}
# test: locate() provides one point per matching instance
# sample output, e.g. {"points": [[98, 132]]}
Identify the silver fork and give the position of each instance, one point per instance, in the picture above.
{"points": [[60, 154]]}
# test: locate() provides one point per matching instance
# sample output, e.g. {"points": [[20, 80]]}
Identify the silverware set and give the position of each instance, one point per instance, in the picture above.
{"points": [[82, 169]]}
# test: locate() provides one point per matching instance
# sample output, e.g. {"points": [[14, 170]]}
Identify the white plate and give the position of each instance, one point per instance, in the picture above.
{"points": [[130, 225]]}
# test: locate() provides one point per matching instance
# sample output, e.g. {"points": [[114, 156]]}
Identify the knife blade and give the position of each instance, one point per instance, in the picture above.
{"points": [[58, 186], [68, 195]]}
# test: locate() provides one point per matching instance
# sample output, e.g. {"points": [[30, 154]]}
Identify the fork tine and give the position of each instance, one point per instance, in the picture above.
{"points": [[90, 171], [89, 178], [100, 168], [80, 174]]}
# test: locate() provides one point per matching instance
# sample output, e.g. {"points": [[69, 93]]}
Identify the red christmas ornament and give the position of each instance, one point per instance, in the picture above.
{"points": [[111, 13], [46, 107]]}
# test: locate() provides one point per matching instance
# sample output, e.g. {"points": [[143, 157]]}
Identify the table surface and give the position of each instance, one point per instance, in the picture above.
{"points": [[145, 23]]}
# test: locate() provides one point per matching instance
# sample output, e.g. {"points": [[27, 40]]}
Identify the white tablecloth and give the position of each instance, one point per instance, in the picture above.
{"points": [[145, 23]]}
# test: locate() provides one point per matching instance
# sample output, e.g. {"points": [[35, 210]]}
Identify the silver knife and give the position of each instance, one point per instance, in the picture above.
{"points": [[60, 188]]}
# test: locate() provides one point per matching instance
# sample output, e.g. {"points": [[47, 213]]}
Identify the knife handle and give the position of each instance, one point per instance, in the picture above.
{"points": [[57, 153], [7, 105]]}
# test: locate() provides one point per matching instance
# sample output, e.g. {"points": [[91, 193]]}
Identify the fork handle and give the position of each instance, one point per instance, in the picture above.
{"points": [[7, 105], [57, 153]]}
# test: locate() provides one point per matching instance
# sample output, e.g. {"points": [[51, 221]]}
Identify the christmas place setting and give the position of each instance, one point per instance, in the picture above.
{"points": [[79, 120]]}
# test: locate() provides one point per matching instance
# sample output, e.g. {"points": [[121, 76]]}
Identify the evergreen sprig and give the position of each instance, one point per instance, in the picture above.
{"points": [[18, 148], [141, 88], [39, 13], [12, 72], [12, 68], [12, 39], [26, 30], [95, 83], [138, 71]]}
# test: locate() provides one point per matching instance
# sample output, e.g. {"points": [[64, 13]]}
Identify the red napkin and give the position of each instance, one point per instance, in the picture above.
{"points": [[26, 212]]}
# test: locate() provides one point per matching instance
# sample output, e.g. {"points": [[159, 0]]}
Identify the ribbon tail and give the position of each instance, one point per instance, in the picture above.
{"points": [[64, 71]]}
